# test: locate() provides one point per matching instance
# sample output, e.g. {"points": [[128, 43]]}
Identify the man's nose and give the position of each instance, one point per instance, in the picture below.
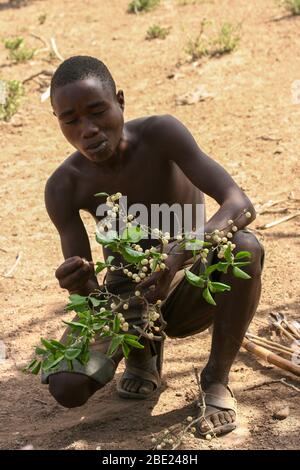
{"points": [[89, 129]]}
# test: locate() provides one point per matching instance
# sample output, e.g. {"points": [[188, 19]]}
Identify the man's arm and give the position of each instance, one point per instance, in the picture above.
{"points": [[176, 143], [75, 275]]}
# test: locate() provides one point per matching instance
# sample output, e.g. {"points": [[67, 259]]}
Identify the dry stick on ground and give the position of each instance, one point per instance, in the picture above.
{"points": [[202, 417], [270, 382], [277, 323], [11, 270], [270, 346], [55, 50], [277, 222], [34, 75], [261, 209], [284, 382], [269, 343], [270, 357]]}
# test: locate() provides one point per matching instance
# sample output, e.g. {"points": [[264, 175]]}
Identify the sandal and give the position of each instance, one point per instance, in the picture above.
{"points": [[219, 404], [148, 371]]}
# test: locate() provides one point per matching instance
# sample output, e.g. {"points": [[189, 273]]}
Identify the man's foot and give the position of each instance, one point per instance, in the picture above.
{"points": [[218, 415], [142, 375]]}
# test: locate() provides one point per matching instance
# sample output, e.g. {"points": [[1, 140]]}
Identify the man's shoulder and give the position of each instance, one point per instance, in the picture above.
{"points": [[65, 173], [151, 125], [62, 183]]}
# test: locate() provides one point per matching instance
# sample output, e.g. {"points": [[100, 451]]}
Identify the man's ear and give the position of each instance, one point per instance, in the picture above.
{"points": [[121, 99]]}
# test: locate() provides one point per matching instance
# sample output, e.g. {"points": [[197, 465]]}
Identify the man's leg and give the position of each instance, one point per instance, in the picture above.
{"points": [[187, 313], [74, 389], [233, 314]]}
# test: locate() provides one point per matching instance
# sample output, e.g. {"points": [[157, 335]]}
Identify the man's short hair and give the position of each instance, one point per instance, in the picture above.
{"points": [[78, 68]]}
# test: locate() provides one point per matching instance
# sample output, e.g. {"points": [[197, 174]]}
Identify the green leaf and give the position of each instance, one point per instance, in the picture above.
{"points": [[127, 336], [210, 269], [116, 324], [208, 297], [223, 267], [104, 238], [84, 358], [51, 363], [99, 267], [126, 350], [227, 255], [95, 302], [219, 287], [133, 234], [75, 324], [110, 259], [57, 344], [243, 254], [115, 343], [72, 353], [98, 326], [193, 279], [48, 345], [132, 256], [77, 302], [40, 351], [133, 342], [242, 263], [101, 194], [35, 370], [237, 272]]}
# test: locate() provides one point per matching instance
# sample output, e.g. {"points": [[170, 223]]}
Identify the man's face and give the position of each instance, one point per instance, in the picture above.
{"points": [[90, 117]]}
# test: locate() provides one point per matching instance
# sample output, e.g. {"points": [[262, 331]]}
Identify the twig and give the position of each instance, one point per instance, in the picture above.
{"points": [[55, 50], [260, 209], [272, 139], [2, 249], [41, 401], [265, 382], [277, 222], [43, 40], [284, 382], [11, 270], [269, 382], [42, 72], [270, 343]]}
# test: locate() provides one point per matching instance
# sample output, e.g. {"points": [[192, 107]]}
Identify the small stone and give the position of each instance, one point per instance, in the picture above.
{"points": [[281, 413]]}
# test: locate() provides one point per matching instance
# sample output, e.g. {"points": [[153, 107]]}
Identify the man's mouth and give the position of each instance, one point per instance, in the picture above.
{"points": [[97, 146]]}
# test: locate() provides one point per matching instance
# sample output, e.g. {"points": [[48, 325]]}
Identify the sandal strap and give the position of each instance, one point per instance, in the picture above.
{"points": [[148, 372], [224, 403]]}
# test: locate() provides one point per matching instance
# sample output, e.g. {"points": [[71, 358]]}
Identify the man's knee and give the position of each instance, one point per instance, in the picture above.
{"points": [[70, 389], [247, 241]]}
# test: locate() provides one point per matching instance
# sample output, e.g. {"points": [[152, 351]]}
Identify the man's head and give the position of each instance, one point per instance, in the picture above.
{"points": [[90, 111]]}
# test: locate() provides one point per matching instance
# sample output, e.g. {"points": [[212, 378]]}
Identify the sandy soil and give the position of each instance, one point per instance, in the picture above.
{"points": [[250, 126]]}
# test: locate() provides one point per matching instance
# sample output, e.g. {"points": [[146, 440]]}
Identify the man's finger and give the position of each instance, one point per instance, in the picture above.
{"points": [[75, 279], [69, 266]]}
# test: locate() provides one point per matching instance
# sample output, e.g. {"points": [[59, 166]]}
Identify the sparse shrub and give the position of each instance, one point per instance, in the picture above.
{"points": [[42, 18], [18, 50], [157, 32], [225, 42], [293, 6], [135, 6], [11, 92]]}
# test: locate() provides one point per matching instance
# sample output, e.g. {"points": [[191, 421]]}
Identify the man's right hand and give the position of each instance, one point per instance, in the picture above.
{"points": [[74, 273]]}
